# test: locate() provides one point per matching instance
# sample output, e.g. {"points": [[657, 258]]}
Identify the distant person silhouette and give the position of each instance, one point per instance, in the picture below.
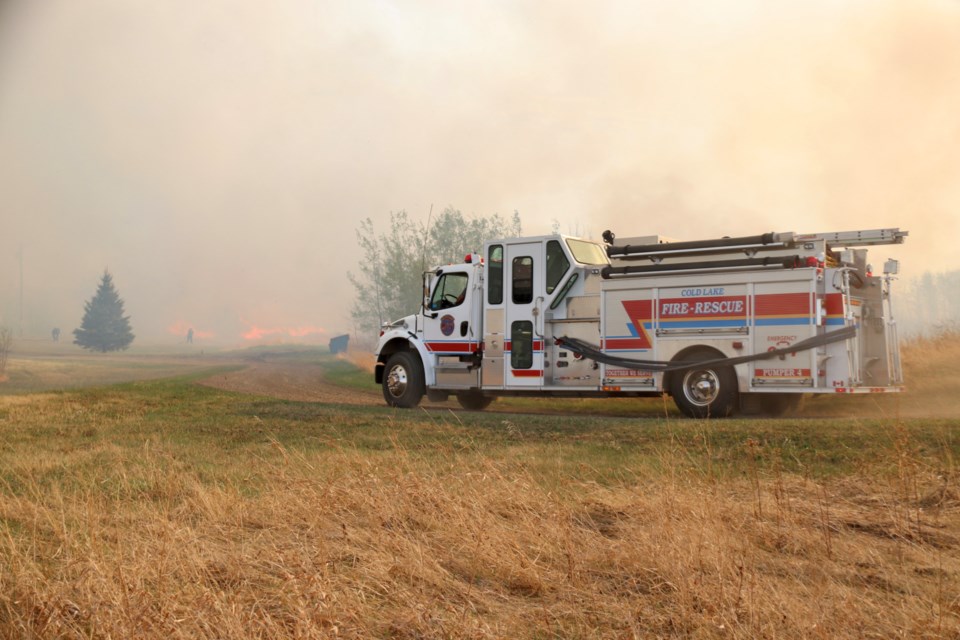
{"points": [[55, 334], [190, 335]]}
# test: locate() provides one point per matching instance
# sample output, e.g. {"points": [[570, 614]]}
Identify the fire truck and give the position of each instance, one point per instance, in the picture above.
{"points": [[728, 325]]}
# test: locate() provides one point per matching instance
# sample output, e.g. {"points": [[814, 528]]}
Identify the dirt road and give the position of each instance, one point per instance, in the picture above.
{"points": [[290, 381]]}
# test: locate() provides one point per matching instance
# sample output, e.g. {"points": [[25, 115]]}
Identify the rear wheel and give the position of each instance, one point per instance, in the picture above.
{"points": [[403, 383], [707, 392], [473, 400]]}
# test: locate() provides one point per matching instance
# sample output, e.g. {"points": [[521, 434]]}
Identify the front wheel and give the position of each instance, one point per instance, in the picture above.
{"points": [[708, 392], [403, 383]]}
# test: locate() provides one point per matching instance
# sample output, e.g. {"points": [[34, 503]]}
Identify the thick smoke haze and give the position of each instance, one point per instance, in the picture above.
{"points": [[216, 157]]}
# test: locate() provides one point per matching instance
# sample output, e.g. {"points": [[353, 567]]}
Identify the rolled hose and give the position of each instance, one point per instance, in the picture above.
{"points": [[593, 352]]}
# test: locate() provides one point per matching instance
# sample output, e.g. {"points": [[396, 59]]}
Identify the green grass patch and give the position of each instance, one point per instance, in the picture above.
{"points": [[223, 435], [68, 439]]}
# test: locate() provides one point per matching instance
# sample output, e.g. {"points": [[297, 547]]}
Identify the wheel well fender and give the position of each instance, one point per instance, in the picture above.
{"points": [[403, 344]]}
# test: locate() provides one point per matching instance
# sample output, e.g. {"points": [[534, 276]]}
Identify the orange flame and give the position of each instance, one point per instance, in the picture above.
{"points": [[259, 333]]}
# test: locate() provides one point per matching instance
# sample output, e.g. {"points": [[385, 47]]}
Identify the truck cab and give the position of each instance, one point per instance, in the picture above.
{"points": [[481, 328]]}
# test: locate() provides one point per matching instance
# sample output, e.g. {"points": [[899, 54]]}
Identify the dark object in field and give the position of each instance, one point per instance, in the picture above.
{"points": [[338, 344]]}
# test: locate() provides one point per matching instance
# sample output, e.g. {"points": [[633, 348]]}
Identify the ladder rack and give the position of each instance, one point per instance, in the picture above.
{"points": [[864, 238], [748, 245]]}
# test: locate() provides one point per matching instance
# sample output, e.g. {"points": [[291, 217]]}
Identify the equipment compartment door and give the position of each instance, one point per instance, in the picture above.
{"points": [[628, 331], [523, 346], [784, 314]]}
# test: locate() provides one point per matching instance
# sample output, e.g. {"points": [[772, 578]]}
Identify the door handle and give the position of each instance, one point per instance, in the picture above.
{"points": [[536, 312]]}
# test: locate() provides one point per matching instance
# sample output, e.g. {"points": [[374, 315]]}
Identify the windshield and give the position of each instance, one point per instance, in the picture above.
{"points": [[587, 252]]}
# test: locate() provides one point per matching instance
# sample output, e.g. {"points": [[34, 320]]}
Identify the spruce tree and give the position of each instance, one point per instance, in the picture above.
{"points": [[104, 327]]}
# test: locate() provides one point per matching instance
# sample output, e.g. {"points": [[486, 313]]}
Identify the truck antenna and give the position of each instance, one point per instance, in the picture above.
{"points": [[423, 259], [423, 243]]}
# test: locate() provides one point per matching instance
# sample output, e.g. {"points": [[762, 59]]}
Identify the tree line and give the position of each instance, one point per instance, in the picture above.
{"points": [[388, 282], [928, 305]]}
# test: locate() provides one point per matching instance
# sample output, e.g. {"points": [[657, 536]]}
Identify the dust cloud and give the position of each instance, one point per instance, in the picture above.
{"points": [[218, 156]]}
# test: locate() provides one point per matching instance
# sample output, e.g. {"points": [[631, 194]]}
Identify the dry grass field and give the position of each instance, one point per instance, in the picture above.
{"points": [[166, 509], [41, 365]]}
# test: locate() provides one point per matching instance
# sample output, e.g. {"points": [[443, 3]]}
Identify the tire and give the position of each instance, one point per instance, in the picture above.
{"points": [[473, 400], [710, 392], [403, 383]]}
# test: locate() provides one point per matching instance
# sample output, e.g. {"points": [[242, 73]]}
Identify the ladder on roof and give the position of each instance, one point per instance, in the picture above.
{"points": [[748, 245], [866, 238], [677, 257]]}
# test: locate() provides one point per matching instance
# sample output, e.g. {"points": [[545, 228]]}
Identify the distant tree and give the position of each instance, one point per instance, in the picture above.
{"points": [[388, 282], [104, 327]]}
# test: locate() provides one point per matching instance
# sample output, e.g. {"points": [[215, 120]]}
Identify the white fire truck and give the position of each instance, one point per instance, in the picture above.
{"points": [[748, 324]]}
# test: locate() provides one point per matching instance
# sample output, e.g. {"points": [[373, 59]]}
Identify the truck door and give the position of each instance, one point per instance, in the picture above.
{"points": [[448, 323], [523, 344]]}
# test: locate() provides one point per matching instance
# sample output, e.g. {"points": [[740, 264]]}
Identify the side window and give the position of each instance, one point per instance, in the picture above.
{"points": [[521, 344], [557, 265], [450, 291], [522, 274], [495, 274]]}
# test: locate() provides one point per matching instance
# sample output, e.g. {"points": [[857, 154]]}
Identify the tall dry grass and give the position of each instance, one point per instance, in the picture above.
{"points": [[399, 545], [164, 511], [932, 364], [931, 372]]}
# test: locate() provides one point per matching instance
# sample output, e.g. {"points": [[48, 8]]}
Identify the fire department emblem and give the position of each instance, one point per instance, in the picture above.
{"points": [[446, 325]]}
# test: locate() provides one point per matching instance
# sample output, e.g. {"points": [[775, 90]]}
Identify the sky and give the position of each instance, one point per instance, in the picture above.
{"points": [[218, 156]]}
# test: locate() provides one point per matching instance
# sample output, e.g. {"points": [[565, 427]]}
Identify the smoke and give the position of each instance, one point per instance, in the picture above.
{"points": [[217, 157]]}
